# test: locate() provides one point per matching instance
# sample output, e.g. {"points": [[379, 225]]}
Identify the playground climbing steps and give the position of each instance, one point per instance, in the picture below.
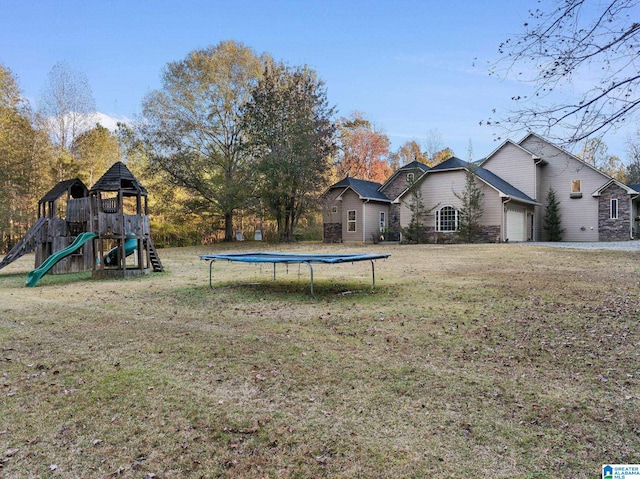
{"points": [[154, 258], [26, 245]]}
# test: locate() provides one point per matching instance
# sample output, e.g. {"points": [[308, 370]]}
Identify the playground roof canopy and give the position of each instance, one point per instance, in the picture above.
{"points": [[75, 187], [117, 178]]}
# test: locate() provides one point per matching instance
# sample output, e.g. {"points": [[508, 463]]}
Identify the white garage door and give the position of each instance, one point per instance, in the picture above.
{"points": [[515, 225]]}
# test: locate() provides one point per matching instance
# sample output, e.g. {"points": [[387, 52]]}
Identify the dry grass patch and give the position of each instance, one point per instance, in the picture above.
{"points": [[487, 360]]}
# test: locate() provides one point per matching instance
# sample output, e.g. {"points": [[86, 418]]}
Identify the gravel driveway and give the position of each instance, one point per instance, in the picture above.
{"points": [[610, 245]]}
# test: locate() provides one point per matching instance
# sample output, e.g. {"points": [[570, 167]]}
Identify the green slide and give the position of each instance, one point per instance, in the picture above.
{"points": [[34, 276], [130, 245]]}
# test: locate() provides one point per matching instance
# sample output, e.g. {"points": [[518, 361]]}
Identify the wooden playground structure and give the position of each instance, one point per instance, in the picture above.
{"points": [[104, 229]]}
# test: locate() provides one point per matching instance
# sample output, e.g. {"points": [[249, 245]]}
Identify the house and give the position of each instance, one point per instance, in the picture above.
{"points": [[361, 210], [507, 211], [593, 206], [515, 180]]}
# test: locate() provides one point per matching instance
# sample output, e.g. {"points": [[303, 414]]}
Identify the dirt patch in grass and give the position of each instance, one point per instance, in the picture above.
{"points": [[465, 361]]}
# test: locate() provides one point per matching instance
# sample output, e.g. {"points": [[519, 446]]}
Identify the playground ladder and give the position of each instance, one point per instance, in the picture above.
{"points": [[153, 256], [26, 245]]}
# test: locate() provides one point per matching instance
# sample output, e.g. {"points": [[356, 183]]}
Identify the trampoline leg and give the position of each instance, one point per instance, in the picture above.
{"points": [[210, 269], [373, 275], [274, 271], [311, 282]]}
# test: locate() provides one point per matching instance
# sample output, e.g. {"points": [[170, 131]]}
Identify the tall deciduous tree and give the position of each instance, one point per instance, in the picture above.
{"points": [[23, 151], [95, 150], [67, 108], [633, 159], [408, 152], [563, 40], [441, 155], [596, 153], [194, 124], [363, 150], [174, 220], [292, 137]]}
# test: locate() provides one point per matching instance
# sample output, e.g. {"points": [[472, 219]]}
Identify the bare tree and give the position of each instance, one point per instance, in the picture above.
{"points": [[432, 144], [66, 105], [633, 158], [567, 40]]}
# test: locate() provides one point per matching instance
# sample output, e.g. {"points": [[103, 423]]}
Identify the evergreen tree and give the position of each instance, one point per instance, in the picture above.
{"points": [[552, 220], [416, 232], [471, 210]]}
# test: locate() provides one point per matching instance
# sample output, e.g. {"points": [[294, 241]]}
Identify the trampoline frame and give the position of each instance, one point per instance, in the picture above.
{"points": [[291, 258]]}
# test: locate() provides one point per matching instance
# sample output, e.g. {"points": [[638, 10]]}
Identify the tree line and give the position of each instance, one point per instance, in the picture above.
{"points": [[231, 138]]}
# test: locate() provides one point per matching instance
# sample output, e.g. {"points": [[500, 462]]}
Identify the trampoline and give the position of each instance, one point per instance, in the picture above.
{"points": [[289, 258]]}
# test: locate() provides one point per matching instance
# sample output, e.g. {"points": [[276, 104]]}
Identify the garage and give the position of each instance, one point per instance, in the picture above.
{"points": [[515, 219]]}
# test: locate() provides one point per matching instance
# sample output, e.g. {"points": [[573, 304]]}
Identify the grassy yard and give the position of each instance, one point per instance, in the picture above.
{"points": [[501, 361]]}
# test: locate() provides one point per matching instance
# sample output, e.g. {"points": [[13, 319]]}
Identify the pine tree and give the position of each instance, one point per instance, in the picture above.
{"points": [[416, 232], [471, 210], [552, 220]]}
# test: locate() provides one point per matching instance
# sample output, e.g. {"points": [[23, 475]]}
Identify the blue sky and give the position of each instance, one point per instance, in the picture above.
{"points": [[407, 64]]}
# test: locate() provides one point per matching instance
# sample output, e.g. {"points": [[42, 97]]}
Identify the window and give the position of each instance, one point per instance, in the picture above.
{"points": [[351, 221], [614, 209], [383, 222], [410, 177], [334, 209], [447, 219], [576, 191]]}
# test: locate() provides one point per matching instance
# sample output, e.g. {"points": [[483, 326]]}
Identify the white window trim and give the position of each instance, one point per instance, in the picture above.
{"points": [[382, 221], [438, 220], [354, 221], [613, 213], [334, 209]]}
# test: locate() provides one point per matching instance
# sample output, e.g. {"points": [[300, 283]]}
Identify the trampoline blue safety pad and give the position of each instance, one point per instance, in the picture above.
{"points": [[290, 258]]}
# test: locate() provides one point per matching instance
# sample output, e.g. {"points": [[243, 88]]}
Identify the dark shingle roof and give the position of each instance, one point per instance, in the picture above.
{"points": [[117, 178], [450, 164], [75, 187], [415, 165], [490, 178], [635, 186], [368, 190]]}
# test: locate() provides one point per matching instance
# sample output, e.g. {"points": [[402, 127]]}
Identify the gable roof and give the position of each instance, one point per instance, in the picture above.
{"points": [[629, 189], [452, 163], [366, 190], [635, 187], [504, 188], [534, 156], [75, 187], [414, 165], [117, 178]]}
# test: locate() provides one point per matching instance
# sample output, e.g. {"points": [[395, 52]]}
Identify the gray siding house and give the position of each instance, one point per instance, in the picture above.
{"points": [[360, 210], [515, 179]]}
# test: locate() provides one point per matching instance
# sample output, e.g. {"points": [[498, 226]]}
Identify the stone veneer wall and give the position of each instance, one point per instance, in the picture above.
{"points": [[614, 229], [489, 234]]}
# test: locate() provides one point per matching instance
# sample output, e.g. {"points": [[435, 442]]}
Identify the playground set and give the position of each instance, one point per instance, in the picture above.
{"points": [[104, 229]]}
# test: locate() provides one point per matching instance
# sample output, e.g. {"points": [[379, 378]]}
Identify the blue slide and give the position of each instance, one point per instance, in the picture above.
{"points": [[34, 276], [130, 245]]}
